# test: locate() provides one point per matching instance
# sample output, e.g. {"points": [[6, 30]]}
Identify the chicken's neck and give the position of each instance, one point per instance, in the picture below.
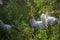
{"points": [[2, 24], [32, 21]]}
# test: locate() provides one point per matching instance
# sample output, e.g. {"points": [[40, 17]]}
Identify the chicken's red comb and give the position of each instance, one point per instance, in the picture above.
{"points": [[30, 15]]}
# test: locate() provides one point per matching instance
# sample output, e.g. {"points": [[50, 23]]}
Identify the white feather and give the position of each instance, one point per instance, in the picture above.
{"points": [[6, 26], [48, 19], [37, 24]]}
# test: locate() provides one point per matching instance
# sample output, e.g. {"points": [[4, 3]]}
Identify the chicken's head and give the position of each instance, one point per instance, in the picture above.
{"points": [[30, 16], [1, 22]]}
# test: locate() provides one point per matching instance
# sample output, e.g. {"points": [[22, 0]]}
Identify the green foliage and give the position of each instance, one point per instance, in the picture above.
{"points": [[16, 12]]}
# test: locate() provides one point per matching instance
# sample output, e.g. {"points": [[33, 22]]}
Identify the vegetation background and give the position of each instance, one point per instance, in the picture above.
{"points": [[16, 12]]}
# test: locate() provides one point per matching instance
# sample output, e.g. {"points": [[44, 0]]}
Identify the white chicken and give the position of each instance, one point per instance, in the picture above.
{"points": [[7, 27], [49, 19], [36, 24]]}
